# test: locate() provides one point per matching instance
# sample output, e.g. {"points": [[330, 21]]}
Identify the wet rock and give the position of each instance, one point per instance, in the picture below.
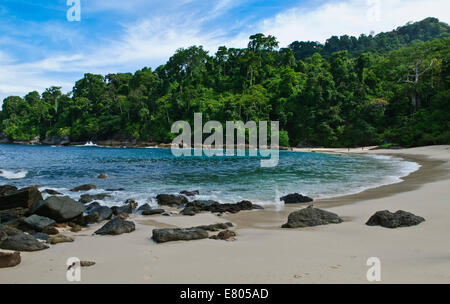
{"points": [[85, 220], [12, 214], [170, 235], [9, 259], [84, 188], [145, 207], [226, 235], [310, 217], [232, 208], [58, 208], [129, 206], [59, 238], [102, 176], [104, 213], [257, 207], [113, 190], [215, 227], [189, 211], [38, 223], [14, 239], [87, 198], [5, 189], [23, 198], [190, 193], [52, 192], [116, 226], [171, 200], [122, 216], [296, 199], [394, 220]]}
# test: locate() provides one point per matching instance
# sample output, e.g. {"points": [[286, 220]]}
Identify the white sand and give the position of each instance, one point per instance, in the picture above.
{"points": [[326, 254]]}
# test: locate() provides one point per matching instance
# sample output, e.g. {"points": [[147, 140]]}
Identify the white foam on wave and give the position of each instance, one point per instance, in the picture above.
{"points": [[13, 175]]}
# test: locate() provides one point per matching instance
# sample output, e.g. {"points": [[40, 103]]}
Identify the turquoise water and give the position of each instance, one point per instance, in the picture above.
{"points": [[144, 173]]}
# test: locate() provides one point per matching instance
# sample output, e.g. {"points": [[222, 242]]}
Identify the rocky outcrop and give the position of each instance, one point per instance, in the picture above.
{"points": [[56, 141], [84, 188], [190, 193], [38, 223], [171, 200], [212, 206], [87, 198], [14, 239], [171, 235], [9, 259], [296, 199], [116, 226], [23, 198], [12, 214], [394, 220], [58, 208], [310, 217]]}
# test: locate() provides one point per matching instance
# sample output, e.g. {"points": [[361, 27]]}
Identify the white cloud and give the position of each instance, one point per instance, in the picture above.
{"points": [[350, 17]]}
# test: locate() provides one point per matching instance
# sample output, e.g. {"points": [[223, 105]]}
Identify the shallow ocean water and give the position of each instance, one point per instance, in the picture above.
{"points": [[144, 173]]}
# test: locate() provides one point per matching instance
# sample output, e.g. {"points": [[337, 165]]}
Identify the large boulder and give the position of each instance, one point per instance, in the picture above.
{"points": [[14, 239], [170, 235], [394, 220], [23, 198], [104, 213], [171, 200], [296, 199], [84, 188], [9, 259], [5, 189], [310, 217], [87, 198], [12, 214], [38, 223], [59, 208], [116, 226]]}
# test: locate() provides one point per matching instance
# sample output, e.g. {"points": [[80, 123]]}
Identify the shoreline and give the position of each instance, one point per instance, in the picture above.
{"points": [[265, 253]]}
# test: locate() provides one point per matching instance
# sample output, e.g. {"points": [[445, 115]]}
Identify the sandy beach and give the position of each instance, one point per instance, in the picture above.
{"points": [[265, 253]]}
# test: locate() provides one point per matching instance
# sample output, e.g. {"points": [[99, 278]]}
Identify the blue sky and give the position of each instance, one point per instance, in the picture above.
{"points": [[39, 47]]}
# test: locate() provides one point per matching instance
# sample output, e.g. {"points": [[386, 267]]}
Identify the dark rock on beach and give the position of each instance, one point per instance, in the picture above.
{"points": [[394, 220], [215, 207], [58, 208], [84, 188], [14, 239], [38, 223], [296, 199], [153, 212], [145, 207], [225, 235], [85, 220], [116, 226], [9, 259], [170, 235], [59, 238], [171, 200], [91, 206], [104, 213], [215, 227], [310, 217], [23, 198], [190, 193], [12, 214], [41, 236], [87, 198]]}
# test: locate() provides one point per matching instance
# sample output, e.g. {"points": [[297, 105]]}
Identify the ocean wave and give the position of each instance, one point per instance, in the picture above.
{"points": [[13, 175]]}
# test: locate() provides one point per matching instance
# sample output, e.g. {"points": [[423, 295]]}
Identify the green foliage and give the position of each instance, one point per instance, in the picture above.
{"points": [[348, 92]]}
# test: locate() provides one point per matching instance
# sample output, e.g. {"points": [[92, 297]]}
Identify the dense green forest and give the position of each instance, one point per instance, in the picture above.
{"points": [[392, 87]]}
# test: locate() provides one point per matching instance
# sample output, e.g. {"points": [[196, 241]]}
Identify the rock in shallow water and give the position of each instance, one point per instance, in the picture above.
{"points": [[190, 193], [14, 239], [310, 217], [9, 259], [171, 200], [394, 220], [171, 235], [116, 226], [87, 198], [84, 188], [296, 199]]}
